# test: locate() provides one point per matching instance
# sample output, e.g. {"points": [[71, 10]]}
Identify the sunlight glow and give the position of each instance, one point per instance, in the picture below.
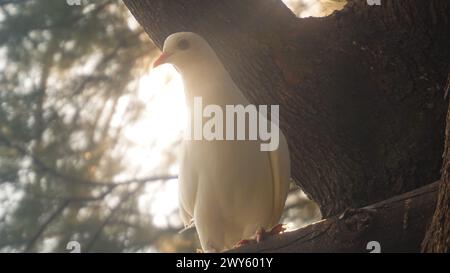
{"points": [[152, 137], [161, 124], [165, 204], [313, 8]]}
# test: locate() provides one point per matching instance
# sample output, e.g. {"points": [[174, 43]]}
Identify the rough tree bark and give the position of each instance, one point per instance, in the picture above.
{"points": [[437, 238], [360, 91], [396, 225]]}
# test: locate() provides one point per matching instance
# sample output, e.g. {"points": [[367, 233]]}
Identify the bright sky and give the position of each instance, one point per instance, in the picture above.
{"points": [[164, 117], [160, 126], [313, 7]]}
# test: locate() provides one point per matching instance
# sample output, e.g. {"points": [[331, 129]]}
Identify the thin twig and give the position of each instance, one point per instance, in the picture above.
{"points": [[44, 226], [100, 229], [67, 178]]}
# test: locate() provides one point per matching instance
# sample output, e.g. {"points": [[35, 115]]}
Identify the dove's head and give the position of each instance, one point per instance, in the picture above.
{"points": [[185, 50]]}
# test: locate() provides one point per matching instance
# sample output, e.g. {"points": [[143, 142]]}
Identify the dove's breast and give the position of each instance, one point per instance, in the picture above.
{"points": [[233, 188]]}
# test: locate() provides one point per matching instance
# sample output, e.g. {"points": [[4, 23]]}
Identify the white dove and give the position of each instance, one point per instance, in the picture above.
{"points": [[231, 190]]}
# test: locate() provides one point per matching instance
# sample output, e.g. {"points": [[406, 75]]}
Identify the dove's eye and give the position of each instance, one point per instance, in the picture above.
{"points": [[183, 44]]}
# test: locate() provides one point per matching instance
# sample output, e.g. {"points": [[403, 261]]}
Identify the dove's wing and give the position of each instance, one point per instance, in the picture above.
{"points": [[281, 171], [187, 187], [185, 215]]}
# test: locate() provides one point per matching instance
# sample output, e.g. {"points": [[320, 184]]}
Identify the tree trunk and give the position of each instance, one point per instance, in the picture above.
{"points": [[360, 91], [437, 238]]}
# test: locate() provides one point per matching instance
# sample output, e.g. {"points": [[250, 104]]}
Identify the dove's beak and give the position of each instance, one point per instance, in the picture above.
{"points": [[162, 59]]}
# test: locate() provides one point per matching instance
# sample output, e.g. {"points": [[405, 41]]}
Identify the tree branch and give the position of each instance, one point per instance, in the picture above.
{"points": [[398, 224], [44, 226]]}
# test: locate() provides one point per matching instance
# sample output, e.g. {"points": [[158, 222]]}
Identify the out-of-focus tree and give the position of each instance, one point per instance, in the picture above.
{"points": [[65, 71]]}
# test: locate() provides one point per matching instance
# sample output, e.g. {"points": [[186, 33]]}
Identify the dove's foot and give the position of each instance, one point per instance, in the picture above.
{"points": [[243, 243], [280, 228], [261, 234]]}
